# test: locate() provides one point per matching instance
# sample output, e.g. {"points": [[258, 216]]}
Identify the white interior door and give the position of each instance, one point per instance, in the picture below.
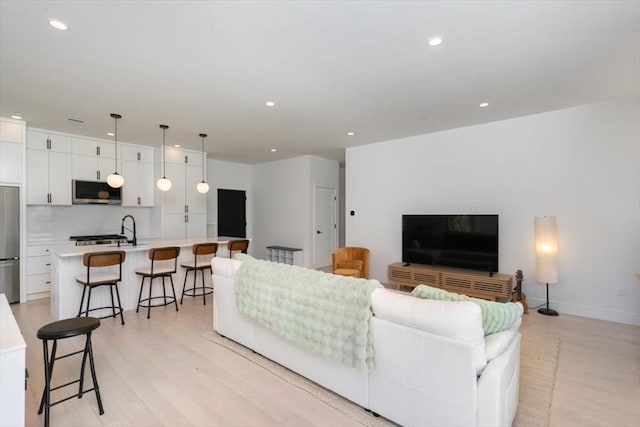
{"points": [[324, 225]]}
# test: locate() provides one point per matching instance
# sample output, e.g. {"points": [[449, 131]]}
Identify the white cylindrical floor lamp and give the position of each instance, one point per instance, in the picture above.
{"points": [[546, 235]]}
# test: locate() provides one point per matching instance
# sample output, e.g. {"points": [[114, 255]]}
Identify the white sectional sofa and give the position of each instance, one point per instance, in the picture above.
{"points": [[433, 364]]}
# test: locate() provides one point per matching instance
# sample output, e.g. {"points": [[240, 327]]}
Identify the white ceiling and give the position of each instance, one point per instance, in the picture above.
{"points": [[330, 67]]}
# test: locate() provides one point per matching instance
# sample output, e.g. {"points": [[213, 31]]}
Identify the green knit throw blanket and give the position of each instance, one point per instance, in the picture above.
{"points": [[321, 312], [496, 316]]}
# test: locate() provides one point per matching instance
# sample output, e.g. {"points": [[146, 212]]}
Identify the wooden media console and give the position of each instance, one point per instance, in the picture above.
{"points": [[468, 282]]}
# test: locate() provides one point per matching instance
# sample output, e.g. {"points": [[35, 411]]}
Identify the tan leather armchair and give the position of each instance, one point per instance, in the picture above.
{"points": [[351, 261]]}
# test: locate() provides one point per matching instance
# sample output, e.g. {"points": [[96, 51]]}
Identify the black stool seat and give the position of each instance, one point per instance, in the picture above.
{"points": [[61, 329], [68, 328]]}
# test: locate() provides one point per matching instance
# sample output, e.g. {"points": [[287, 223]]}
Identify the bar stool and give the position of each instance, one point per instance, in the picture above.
{"points": [[201, 250], [102, 277], [62, 329], [237, 245], [163, 270]]}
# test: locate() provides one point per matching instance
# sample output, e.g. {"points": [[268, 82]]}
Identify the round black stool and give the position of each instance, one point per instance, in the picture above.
{"points": [[62, 329]]}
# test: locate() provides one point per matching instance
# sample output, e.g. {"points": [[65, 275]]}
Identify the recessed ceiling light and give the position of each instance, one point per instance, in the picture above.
{"points": [[176, 145], [350, 133], [110, 134], [58, 25], [273, 150], [435, 41], [484, 104], [270, 103], [17, 116]]}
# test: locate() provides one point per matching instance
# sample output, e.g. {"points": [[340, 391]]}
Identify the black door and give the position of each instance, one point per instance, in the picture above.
{"points": [[232, 218]]}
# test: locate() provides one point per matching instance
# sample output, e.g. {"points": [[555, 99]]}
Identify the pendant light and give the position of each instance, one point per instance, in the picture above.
{"points": [[203, 187], [115, 180], [163, 183]]}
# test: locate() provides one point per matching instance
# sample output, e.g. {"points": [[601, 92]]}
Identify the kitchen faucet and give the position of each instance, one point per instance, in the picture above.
{"points": [[134, 241]]}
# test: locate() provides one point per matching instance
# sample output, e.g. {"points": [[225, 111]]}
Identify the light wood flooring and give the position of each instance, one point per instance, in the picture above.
{"points": [[162, 371]]}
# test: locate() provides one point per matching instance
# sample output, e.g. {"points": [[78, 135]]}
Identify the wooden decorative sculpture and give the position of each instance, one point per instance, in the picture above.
{"points": [[517, 295]]}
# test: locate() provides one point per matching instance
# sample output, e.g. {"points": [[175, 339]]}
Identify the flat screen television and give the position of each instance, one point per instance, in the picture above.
{"points": [[462, 241]]}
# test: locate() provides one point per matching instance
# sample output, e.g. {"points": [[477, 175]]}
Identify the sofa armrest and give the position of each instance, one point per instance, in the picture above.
{"points": [[225, 267], [499, 387]]}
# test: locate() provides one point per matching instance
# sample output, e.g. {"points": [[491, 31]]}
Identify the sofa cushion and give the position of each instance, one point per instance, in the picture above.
{"points": [[496, 316], [461, 321]]}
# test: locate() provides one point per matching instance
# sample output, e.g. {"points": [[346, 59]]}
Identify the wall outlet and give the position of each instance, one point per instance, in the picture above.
{"points": [[622, 293]]}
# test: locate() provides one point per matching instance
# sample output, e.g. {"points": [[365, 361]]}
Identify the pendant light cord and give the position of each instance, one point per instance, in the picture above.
{"points": [[116, 146], [202, 158]]}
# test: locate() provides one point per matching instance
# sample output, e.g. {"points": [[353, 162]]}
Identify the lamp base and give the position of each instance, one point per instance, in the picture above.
{"points": [[547, 311]]}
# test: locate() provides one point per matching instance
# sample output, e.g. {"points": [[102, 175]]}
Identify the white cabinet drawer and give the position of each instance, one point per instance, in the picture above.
{"points": [[38, 264], [38, 250], [38, 283]]}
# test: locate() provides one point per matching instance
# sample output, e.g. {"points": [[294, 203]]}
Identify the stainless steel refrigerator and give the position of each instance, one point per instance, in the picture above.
{"points": [[10, 243]]}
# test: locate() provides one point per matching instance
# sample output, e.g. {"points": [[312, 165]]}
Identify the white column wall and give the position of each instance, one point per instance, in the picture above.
{"points": [[580, 164]]}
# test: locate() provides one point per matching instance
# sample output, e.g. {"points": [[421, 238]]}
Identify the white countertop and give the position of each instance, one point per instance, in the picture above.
{"points": [[72, 251], [10, 338]]}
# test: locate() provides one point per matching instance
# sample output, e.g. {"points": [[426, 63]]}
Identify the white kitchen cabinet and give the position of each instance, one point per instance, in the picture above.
{"points": [[93, 159], [38, 264], [11, 151], [11, 162], [48, 168], [137, 170], [184, 209]]}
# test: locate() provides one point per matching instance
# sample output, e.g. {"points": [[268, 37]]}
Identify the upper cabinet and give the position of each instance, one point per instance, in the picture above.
{"points": [[184, 209], [54, 159], [93, 159], [48, 168], [12, 135], [137, 170]]}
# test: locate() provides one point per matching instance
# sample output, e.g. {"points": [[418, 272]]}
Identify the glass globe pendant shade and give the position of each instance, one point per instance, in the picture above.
{"points": [[115, 180], [202, 187], [164, 184]]}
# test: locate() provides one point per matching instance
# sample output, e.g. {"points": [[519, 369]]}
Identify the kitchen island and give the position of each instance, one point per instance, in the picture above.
{"points": [[66, 265]]}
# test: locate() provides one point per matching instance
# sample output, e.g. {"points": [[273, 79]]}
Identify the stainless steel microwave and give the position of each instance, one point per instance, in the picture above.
{"points": [[95, 192]]}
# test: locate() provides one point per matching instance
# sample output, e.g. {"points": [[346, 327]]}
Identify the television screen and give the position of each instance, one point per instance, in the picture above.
{"points": [[462, 241]]}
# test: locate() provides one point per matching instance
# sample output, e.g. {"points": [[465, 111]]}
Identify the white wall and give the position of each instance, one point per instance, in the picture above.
{"points": [[580, 164], [281, 205], [227, 176], [283, 202]]}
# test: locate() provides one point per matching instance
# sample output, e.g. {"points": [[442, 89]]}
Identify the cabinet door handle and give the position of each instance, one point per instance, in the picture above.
{"points": [[186, 159], [139, 156], [139, 200], [48, 144], [47, 282], [48, 197], [48, 264], [186, 218], [186, 208], [98, 150], [98, 175]]}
